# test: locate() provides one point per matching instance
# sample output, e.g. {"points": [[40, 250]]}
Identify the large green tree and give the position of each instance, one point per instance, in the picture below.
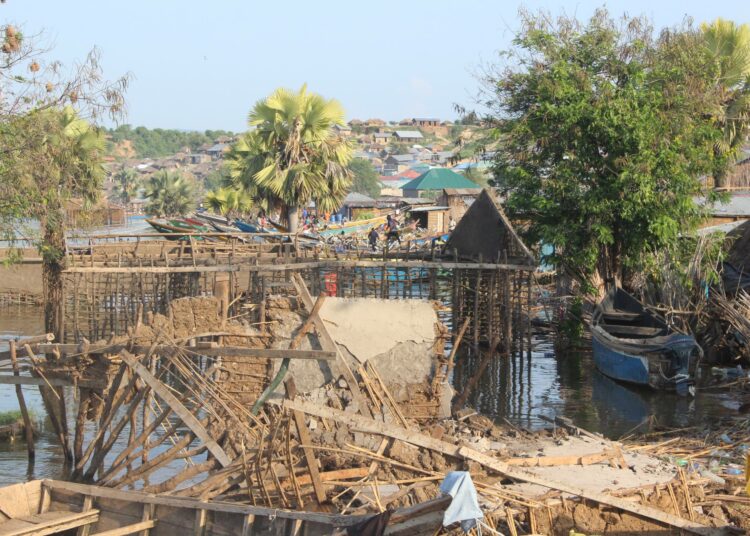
{"points": [[169, 194], [601, 139], [293, 155], [60, 159], [49, 152], [365, 179], [728, 45]]}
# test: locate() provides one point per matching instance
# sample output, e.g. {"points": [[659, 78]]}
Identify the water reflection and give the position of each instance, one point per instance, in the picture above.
{"points": [[521, 389]]}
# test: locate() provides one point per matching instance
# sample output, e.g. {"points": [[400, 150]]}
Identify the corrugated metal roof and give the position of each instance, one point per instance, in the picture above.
{"points": [[439, 179], [738, 205], [356, 197], [408, 134]]}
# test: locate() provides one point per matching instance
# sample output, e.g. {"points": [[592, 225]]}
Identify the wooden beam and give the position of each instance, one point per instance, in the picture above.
{"points": [[167, 349], [6, 379], [305, 441], [129, 529], [422, 440], [186, 502], [48, 523], [552, 461], [190, 420], [297, 266]]}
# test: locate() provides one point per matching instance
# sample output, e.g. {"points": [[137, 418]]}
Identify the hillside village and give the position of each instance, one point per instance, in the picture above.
{"points": [[401, 153]]}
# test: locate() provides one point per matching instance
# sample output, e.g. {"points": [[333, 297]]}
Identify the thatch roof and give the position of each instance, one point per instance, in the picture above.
{"points": [[485, 232]]}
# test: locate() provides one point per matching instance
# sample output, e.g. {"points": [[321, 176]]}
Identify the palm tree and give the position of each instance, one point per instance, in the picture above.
{"points": [[728, 44], [229, 201], [294, 156], [126, 185], [169, 193]]}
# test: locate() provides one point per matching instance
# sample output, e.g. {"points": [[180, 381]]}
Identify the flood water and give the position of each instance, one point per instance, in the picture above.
{"points": [[522, 389], [20, 321], [519, 390]]}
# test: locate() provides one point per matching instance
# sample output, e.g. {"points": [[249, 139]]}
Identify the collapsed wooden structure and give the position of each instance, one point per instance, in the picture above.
{"points": [[169, 433], [182, 402]]}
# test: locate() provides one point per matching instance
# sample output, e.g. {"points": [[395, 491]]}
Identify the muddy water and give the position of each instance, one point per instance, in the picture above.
{"points": [[519, 390], [522, 389], [50, 463]]}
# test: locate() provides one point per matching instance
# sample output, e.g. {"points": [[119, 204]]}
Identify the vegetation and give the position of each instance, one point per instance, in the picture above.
{"points": [[293, 156], [169, 194], [229, 202], [365, 179], [126, 186], [601, 145], [158, 142], [50, 154], [728, 46], [14, 416]]}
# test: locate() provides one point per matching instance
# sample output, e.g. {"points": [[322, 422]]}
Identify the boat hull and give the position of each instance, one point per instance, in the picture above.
{"points": [[632, 344], [619, 365]]}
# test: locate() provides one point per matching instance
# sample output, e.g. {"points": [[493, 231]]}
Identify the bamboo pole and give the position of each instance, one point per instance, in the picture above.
{"points": [[28, 430]]}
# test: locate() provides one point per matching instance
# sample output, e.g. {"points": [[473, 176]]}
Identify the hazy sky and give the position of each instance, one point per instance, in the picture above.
{"points": [[200, 65]]}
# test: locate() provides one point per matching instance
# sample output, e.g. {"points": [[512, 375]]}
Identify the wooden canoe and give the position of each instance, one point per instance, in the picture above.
{"points": [[634, 345], [52, 507]]}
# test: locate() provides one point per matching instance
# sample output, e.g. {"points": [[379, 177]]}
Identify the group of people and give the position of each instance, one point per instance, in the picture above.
{"points": [[392, 233]]}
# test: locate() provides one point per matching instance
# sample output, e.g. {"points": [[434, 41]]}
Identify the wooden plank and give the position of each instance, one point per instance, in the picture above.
{"points": [[88, 504], [129, 529], [330, 264], [167, 349], [50, 523], [305, 441], [199, 527], [189, 503], [551, 461], [190, 420], [151, 269], [7, 379], [247, 524], [425, 441]]}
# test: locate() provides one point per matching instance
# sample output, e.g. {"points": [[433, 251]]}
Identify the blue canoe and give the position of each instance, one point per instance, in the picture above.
{"points": [[631, 344]]}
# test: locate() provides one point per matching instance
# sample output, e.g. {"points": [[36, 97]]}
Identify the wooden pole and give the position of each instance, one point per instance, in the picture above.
{"points": [[304, 439], [28, 430]]}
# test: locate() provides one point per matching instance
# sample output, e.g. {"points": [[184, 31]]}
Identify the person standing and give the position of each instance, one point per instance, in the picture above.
{"points": [[372, 238], [392, 226]]}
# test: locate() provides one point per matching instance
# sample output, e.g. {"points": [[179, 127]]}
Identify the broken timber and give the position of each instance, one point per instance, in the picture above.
{"points": [[190, 420], [209, 351], [421, 440]]}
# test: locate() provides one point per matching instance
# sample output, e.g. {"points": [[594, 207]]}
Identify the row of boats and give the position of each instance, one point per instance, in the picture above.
{"points": [[203, 222]]}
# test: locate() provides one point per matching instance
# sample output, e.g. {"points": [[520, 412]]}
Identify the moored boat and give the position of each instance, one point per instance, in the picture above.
{"points": [[634, 345], [56, 507]]}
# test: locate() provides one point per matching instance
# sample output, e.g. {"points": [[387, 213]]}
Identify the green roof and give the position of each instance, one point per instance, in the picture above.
{"points": [[437, 179]]}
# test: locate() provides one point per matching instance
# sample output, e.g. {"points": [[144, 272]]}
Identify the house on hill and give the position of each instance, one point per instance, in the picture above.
{"points": [[217, 150], [382, 138], [396, 163], [408, 136], [425, 122], [432, 182], [343, 130]]}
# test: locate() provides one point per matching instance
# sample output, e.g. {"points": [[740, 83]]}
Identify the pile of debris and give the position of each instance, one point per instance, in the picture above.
{"points": [[355, 419]]}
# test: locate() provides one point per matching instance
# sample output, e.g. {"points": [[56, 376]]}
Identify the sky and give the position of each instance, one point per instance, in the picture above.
{"points": [[202, 65]]}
